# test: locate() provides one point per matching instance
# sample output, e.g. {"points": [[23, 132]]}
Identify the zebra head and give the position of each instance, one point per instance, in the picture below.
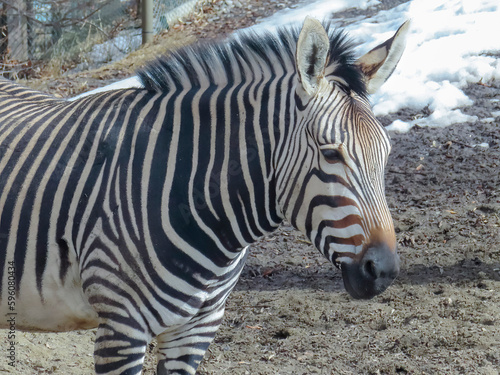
{"points": [[335, 192]]}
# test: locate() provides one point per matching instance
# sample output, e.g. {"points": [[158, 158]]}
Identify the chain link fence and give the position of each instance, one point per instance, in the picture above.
{"points": [[75, 32]]}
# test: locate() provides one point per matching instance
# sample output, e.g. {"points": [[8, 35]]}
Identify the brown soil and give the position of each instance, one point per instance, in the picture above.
{"points": [[290, 314]]}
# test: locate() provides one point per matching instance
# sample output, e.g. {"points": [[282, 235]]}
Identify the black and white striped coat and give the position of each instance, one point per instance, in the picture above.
{"points": [[132, 210]]}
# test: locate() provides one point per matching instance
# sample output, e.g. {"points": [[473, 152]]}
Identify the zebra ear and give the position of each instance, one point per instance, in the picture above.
{"points": [[378, 64], [311, 56]]}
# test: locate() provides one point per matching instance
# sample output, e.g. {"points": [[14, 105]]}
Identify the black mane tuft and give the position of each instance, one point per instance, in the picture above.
{"points": [[213, 61]]}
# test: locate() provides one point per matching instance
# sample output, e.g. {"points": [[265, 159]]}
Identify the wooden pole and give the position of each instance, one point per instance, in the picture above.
{"points": [[147, 21]]}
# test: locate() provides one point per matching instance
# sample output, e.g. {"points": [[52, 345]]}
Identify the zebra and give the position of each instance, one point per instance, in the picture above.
{"points": [[132, 210]]}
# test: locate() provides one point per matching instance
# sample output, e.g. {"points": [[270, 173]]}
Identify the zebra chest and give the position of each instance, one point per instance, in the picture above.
{"points": [[170, 282]]}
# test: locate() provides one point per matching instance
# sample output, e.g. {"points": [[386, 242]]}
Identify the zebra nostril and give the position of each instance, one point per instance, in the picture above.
{"points": [[370, 269]]}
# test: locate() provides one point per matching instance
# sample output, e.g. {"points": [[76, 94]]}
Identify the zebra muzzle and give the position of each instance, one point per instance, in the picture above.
{"points": [[372, 274]]}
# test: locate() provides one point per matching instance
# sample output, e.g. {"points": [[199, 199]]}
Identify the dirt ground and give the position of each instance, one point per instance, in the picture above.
{"points": [[290, 314]]}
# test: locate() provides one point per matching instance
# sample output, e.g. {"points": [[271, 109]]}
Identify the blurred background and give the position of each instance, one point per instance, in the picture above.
{"points": [[76, 34]]}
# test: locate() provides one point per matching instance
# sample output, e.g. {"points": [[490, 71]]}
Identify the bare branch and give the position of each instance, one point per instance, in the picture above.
{"points": [[64, 21]]}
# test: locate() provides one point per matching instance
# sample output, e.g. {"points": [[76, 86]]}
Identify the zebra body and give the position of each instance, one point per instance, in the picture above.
{"points": [[132, 210]]}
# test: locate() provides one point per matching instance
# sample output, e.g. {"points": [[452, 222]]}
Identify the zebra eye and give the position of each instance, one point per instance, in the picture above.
{"points": [[332, 155]]}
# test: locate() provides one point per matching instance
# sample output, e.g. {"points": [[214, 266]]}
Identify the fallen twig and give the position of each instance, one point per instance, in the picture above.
{"points": [[462, 144], [406, 173], [304, 241], [254, 327]]}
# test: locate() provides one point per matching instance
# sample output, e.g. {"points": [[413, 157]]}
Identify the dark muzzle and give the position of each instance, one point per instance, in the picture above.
{"points": [[370, 276]]}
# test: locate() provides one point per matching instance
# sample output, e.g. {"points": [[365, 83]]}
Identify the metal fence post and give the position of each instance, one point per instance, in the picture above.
{"points": [[147, 21]]}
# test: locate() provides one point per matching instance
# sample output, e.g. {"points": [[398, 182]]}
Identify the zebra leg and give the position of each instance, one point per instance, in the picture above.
{"points": [[180, 351], [117, 352]]}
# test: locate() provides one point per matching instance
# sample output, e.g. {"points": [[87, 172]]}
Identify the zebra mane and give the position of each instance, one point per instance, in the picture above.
{"points": [[213, 62]]}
